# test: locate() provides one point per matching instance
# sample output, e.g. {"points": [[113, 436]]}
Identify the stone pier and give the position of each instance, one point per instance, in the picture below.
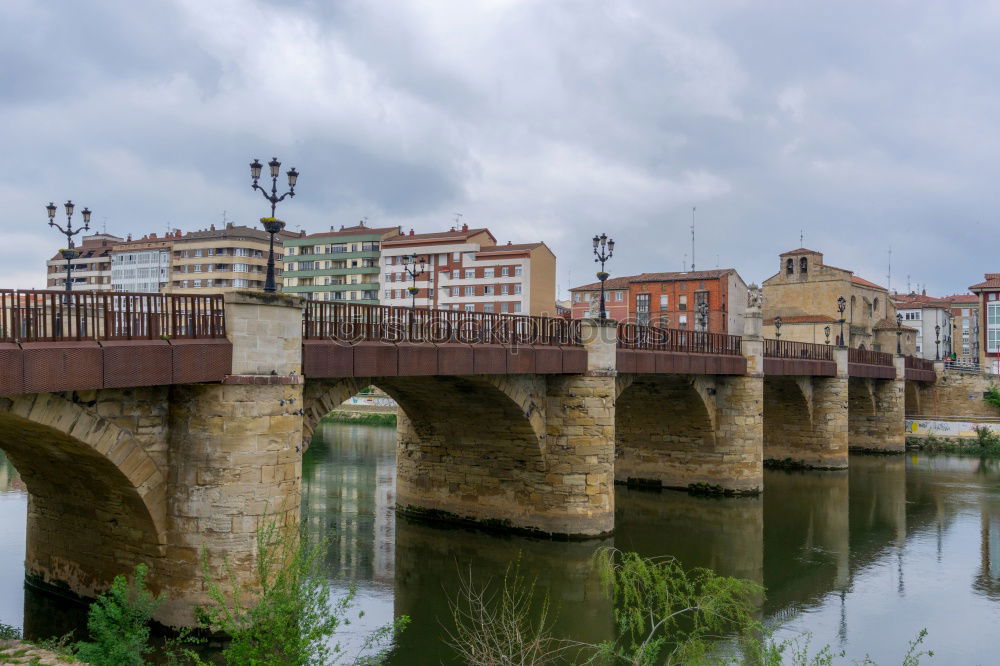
{"points": [[876, 416]]}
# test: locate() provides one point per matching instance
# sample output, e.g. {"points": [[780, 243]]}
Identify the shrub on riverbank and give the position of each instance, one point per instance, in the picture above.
{"points": [[986, 443], [360, 418]]}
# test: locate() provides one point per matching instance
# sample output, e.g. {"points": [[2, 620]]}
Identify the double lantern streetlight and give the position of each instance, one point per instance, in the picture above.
{"points": [[899, 334], [841, 306], [69, 253], [272, 225], [937, 342], [777, 328], [604, 248], [414, 267]]}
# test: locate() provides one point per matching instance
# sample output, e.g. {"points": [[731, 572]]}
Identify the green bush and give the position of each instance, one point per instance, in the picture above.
{"points": [[287, 618], [118, 623], [992, 396]]}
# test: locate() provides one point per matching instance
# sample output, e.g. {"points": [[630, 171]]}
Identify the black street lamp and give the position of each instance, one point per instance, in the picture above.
{"points": [[703, 315], [841, 306], [604, 248], [937, 342], [69, 253], [899, 334], [777, 328], [826, 331], [410, 263], [271, 224]]}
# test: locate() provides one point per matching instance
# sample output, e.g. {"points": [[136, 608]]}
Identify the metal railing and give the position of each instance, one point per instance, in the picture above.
{"points": [[357, 322], [868, 357], [797, 350], [47, 316], [917, 363], [652, 338]]}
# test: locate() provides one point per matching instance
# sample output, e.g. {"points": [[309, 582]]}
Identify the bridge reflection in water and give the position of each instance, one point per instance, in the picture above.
{"points": [[864, 559]]}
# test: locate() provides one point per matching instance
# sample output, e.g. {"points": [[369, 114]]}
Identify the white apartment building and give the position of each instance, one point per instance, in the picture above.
{"points": [[924, 313], [464, 269], [91, 270], [142, 267]]}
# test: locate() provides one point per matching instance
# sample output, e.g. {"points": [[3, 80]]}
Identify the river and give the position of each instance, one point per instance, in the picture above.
{"points": [[861, 560]]}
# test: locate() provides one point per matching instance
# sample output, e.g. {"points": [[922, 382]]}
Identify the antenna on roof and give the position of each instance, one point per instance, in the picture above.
{"points": [[104, 225], [684, 264], [363, 220], [888, 277], [907, 284], [802, 242], [458, 218], [693, 209], [224, 220], [716, 262]]}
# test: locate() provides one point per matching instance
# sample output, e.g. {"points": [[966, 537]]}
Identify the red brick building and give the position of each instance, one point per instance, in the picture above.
{"points": [[585, 299]]}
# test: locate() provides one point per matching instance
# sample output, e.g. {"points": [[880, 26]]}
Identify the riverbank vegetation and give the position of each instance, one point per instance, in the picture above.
{"points": [[360, 418], [985, 443]]}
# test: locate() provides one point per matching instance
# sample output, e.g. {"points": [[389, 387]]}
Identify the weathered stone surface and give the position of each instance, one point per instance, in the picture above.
{"points": [[805, 421]]}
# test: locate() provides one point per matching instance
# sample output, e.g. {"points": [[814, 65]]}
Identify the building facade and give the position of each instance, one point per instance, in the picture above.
{"points": [[219, 260], [585, 300], [337, 265], [91, 270], [965, 326], [804, 295], [932, 320], [142, 265], [464, 269], [988, 293], [674, 300]]}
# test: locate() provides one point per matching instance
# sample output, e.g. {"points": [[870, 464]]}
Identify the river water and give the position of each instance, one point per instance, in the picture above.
{"points": [[861, 560]]}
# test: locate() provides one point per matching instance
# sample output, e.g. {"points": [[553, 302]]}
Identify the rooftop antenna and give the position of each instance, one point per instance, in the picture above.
{"points": [[363, 220], [888, 277], [908, 284], [717, 261], [104, 225], [802, 242], [684, 264], [224, 220], [458, 218], [693, 209]]}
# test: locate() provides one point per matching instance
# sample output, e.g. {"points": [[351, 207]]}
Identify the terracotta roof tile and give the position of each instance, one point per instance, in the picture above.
{"points": [[454, 234], [611, 283], [802, 319], [801, 250], [865, 283], [682, 275]]}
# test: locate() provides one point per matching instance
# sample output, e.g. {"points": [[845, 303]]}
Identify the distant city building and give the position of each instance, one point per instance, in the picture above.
{"points": [[142, 265], [219, 260], [585, 300], [466, 270], [965, 315], [804, 294], [924, 313], [91, 270], [336, 265]]}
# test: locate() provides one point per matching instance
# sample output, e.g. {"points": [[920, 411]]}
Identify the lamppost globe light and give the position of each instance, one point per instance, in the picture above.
{"points": [[86, 217], [69, 208], [611, 245], [602, 252], [275, 167], [69, 253], [51, 210], [597, 241], [255, 168], [293, 177]]}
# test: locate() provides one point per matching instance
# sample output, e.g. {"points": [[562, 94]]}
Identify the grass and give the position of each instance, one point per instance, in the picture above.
{"points": [[985, 444]]}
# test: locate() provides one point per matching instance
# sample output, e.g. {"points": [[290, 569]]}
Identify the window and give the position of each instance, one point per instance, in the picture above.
{"points": [[505, 289], [965, 312], [682, 303], [503, 307], [469, 291], [470, 273], [803, 265], [388, 261], [993, 327], [505, 271], [469, 307], [517, 289], [456, 275], [244, 252], [682, 321], [517, 306], [307, 265], [789, 267], [197, 268], [487, 272], [517, 271], [240, 268], [197, 253], [642, 309], [487, 307], [197, 284], [455, 256], [487, 290], [664, 301], [619, 295]]}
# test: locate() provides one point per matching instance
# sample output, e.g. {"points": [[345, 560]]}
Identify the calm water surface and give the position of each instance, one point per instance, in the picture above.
{"points": [[862, 560]]}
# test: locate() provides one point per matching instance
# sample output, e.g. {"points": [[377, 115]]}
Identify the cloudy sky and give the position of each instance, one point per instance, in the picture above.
{"points": [[863, 124]]}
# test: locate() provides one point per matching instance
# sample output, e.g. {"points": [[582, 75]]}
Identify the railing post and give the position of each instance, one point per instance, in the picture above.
{"points": [[753, 342]]}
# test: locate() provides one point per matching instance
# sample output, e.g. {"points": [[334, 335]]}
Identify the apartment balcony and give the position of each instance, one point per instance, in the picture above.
{"points": [[326, 272], [302, 288], [333, 256]]}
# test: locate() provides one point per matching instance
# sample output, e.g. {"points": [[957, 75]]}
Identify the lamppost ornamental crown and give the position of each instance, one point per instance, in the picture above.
{"points": [[841, 306], [69, 253]]}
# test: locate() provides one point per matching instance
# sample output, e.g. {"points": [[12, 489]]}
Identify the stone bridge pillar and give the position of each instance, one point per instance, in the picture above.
{"points": [[234, 451], [877, 412]]}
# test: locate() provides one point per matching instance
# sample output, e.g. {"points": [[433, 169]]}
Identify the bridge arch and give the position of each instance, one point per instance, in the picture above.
{"points": [[788, 419], [97, 499], [469, 448], [861, 413], [664, 430]]}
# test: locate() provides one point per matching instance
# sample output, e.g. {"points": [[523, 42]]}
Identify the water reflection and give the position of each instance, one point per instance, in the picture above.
{"points": [[863, 559]]}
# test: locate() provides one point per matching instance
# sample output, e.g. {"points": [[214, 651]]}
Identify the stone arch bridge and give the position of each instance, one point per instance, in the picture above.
{"points": [[163, 429]]}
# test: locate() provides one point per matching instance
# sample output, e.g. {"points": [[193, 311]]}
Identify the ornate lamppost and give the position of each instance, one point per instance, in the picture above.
{"points": [[69, 253], [777, 328], [703, 315], [841, 306], [271, 224], [410, 263], [826, 331], [604, 248], [899, 334], [937, 342]]}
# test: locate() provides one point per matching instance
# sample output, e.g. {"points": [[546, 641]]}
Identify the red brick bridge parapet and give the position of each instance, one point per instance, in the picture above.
{"points": [[164, 428]]}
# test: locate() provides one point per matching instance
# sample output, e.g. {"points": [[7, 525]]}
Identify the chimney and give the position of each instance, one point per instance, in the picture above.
{"points": [[465, 227], [411, 231], [509, 243], [212, 227], [302, 233], [152, 235], [229, 225], [130, 238]]}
